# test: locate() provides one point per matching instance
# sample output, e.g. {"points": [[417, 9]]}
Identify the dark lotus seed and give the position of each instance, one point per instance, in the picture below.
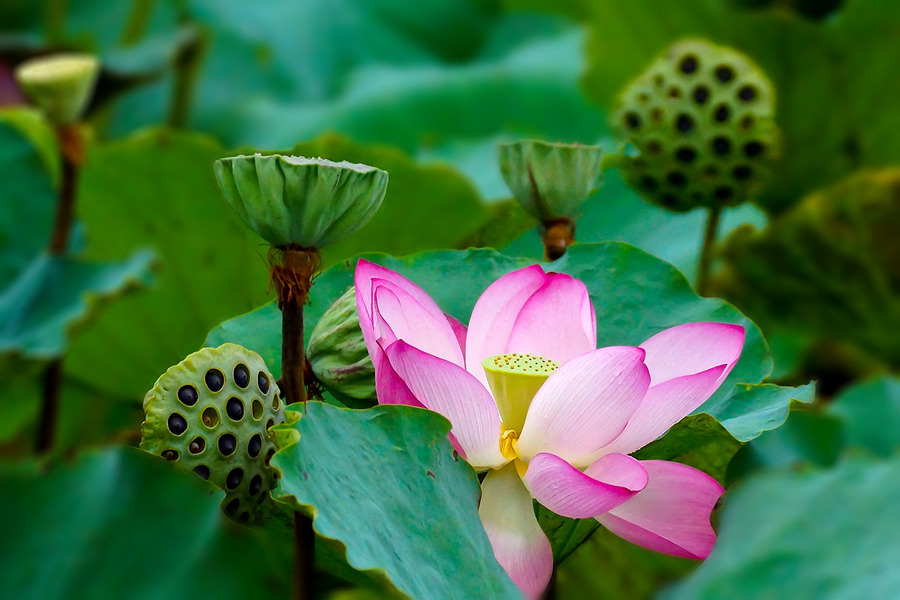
{"points": [[263, 382], [177, 424], [747, 93], [270, 423], [669, 200], [724, 73], [653, 147], [688, 64], [721, 113], [684, 123], [170, 455], [234, 478], [235, 409], [232, 507], [269, 455], [187, 395], [214, 379], [254, 446], [255, 484], [242, 376], [245, 517], [721, 145], [227, 444], [753, 149], [686, 155], [648, 183], [676, 178], [724, 193], [701, 94], [742, 172], [632, 120], [197, 445], [202, 471]]}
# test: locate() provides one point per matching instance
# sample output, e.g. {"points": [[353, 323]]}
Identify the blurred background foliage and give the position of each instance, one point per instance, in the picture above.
{"points": [[426, 90]]}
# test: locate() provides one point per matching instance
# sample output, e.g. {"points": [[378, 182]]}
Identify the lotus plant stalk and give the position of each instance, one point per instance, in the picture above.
{"points": [[61, 86], [299, 205]]}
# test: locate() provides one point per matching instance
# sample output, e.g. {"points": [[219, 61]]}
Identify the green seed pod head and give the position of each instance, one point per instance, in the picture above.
{"points": [[60, 85], [306, 202], [338, 354], [551, 181], [211, 413], [702, 117]]}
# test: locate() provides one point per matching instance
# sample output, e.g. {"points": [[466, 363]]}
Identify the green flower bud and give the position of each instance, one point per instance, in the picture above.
{"points": [[551, 181], [211, 413], [60, 85], [298, 201], [702, 117], [337, 352]]}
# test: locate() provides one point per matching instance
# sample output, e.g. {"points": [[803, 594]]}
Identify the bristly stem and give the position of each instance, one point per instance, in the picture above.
{"points": [[557, 235], [292, 281], [709, 240], [71, 155]]}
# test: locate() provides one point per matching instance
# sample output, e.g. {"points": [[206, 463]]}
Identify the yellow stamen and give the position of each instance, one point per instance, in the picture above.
{"points": [[508, 444]]}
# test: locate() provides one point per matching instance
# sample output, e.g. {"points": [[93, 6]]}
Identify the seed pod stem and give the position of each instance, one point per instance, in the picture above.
{"points": [[71, 149], [709, 240], [557, 235]]}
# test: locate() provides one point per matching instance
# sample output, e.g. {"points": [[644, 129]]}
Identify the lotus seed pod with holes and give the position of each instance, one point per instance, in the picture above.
{"points": [[298, 201], [337, 351], [702, 119], [551, 181], [211, 413], [60, 85]]}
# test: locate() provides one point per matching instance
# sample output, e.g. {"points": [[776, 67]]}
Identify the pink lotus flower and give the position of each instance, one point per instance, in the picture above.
{"points": [[554, 419]]}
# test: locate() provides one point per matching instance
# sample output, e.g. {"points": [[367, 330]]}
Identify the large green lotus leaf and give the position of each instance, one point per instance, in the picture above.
{"points": [[429, 108], [385, 483], [27, 198], [827, 268], [124, 524], [870, 412], [811, 534], [157, 189], [635, 295], [53, 295], [831, 79]]}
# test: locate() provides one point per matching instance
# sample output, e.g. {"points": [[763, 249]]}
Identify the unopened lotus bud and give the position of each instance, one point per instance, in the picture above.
{"points": [[337, 352], [702, 117], [60, 85], [298, 201], [211, 413], [551, 181]]}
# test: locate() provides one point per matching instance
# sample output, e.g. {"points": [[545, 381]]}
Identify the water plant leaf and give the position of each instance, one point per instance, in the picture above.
{"points": [[54, 295], [788, 533], [870, 413], [157, 188], [98, 524], [28, 149], [385, 483]]}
